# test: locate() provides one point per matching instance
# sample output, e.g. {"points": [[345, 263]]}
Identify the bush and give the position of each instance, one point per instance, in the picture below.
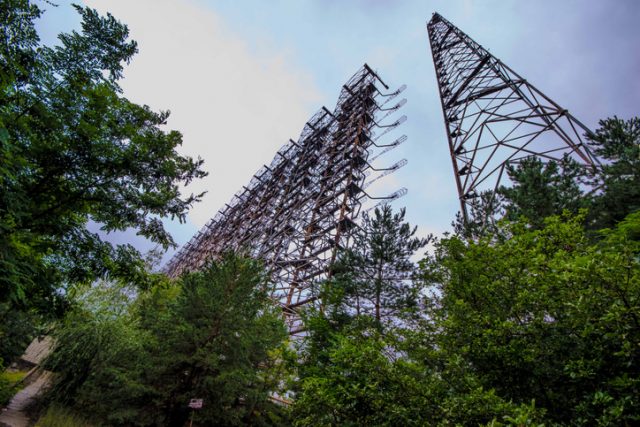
{"points": [[9, 384], [57, 416]]}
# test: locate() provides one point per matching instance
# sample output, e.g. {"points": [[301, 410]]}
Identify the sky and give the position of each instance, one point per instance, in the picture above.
{"points": [[242, 77]]}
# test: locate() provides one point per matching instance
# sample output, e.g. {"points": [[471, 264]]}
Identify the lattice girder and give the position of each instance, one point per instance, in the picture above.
{"points": [[296, 213], [493, 116]]}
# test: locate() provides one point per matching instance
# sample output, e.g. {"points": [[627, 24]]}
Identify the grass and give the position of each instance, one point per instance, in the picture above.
{"points": [[10, 385], [57, 416], [13, 377]]}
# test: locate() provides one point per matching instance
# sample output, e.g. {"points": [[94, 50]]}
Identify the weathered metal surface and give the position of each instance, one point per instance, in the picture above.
{"points": [[297, 212], [493, 116]]}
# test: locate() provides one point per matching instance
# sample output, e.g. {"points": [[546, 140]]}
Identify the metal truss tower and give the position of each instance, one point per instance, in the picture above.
{"points": [[494, 117], [298, 212]]}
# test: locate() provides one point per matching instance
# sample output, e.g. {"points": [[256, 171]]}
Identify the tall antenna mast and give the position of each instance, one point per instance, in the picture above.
{"points": [[494, 117], [298, 212]]}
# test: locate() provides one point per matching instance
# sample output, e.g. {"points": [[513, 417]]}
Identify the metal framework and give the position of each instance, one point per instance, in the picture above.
{"points": [[494, 117], [298, 212]]}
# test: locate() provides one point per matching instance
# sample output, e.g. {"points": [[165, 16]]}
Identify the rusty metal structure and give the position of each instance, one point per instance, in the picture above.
{"points": [[494, 117], [296, 213]]}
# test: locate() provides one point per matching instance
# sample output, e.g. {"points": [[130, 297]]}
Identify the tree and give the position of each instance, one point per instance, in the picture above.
{"points": [[214, 335], [100, 357], [376, 271], [541, 190], [618, 143], [537, 190], [350, 372], [218, 342], [546, 315], [73, 149], [351, 369], [481, 219], [359, 380]]}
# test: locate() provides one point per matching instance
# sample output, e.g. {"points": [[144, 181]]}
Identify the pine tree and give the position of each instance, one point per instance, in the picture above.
{"points": [[377, 271], [618, 143], [543, 189]]}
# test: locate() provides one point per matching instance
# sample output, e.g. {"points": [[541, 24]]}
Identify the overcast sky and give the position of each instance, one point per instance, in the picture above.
{"points": [[242, 77]]}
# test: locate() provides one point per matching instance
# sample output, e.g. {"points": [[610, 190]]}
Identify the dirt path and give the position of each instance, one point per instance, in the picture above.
{"points": [[14, 414]]}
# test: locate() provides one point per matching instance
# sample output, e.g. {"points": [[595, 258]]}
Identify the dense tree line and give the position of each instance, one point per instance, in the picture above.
{"points": [[74, 150], [214, 335], [529, 316]]}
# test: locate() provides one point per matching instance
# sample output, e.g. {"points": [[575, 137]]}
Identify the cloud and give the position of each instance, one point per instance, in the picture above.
{"points": [[235, 101]]}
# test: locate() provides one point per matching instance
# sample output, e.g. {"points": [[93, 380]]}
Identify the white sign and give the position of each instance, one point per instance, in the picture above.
{"points": [[195, 403]]}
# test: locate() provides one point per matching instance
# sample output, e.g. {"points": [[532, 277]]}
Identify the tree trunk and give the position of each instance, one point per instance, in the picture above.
{"points": [[378, 291]]}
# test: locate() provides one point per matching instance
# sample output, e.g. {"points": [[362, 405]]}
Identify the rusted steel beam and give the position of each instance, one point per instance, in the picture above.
{"points": [[494, 117], [294, 212]]}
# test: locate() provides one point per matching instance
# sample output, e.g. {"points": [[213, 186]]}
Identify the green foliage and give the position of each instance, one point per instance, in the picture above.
{"points": [[360, 381], [14, 377], [6, 392], [10, 384], [351, 370], [544, 316], [376, 271], [354, 374], [618, 143], [538, 190], [16, 331], [214, 335], [543, 189], [72, 149], [97, 357], [6, 388], [57, 416], [217, 342], [482, 216]]}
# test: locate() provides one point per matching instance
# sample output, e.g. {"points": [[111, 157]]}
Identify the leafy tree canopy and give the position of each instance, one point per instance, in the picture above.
{"points": [[545, 316], [214, 335], [73, 150], [376, 272], [542, 189], [618, 142], [351, 370]]}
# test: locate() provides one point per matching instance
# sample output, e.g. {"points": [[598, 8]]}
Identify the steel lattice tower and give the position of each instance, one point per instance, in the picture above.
{"points": [[494, 117], [298, 212]]}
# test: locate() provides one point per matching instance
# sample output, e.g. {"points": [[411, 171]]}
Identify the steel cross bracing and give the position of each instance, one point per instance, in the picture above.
{"points": [[494, 117], [298, 212]]}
